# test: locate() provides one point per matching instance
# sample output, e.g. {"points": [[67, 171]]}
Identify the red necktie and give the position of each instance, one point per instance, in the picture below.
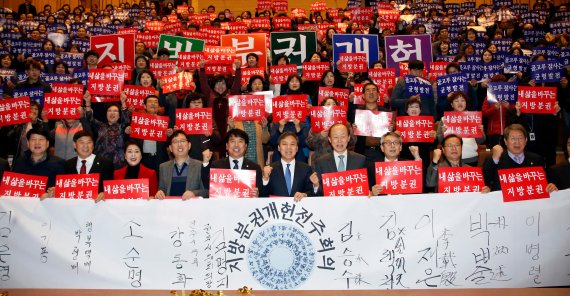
{"points": [[83, 169]]}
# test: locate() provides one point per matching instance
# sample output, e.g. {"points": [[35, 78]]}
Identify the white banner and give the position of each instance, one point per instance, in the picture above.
{"points": [[394, 242]]}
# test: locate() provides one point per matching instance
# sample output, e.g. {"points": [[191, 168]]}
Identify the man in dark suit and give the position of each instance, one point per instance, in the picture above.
{"points": [[289, 177], [181, 176], [27, 7], [515, 157], [560, 173], [236, 146], [340, 159], [88, 163]]}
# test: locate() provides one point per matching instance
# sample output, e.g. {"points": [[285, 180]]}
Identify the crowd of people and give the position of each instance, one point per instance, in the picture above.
{"points": [[289, 157]]}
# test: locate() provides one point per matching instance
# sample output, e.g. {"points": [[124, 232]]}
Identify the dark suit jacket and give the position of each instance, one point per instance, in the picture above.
{"points": [[560, 175], [301, 182], [144, 173], [4, 167], [100, 165], [490, 169], [326, 164], [224, 163], [193, 180]]}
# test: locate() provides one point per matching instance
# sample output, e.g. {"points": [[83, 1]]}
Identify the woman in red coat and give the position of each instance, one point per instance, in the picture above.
{"points": [[135, 170]]}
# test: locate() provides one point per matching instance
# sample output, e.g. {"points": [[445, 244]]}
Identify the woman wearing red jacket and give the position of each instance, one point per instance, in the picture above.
{"points": [[499, 115], [135, 169]]}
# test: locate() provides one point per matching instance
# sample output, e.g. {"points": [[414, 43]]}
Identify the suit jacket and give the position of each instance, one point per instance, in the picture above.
{"points": [[490, 169], [100, 165], [144, 173], [193, 180], [432, 174], [560, 175], [224, 163], [300, 183], [326, 164]]}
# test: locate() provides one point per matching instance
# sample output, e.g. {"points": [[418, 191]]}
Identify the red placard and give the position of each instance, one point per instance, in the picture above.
{"points": [[154, 26], [537, 100], [14, 111], [397, 177], [173, 28], [359, 95], [114, 47], [226, 183], [340, 94], [178, 81], [219, 54], [79, 186], [437, 69], [332, 12], [384, 5], [195, 121], [385, 77], [172, 17], [248, 43], [460, 179], [347, 183], [388, 14], [105, 82], [314, 71], [65, 88], [126, 189], [149, 39], [263, 4], [181, 8], [298, 12], [372, 123], [281, 5], [282, 22], [149, 127], [318, 6], [279, 74], [161, 68], [127, 30], [128, 69], [307, 27], [237, 28], [246, 107], [466, 124], [213, 69], [290, 107], [362, 14], [387, 25], [14, 184], [190, 60], [415, 128], [246, 74], [260, 23], [136, 95], [195, 34], [323, 117], [523, 184], [62, 106], [353, 62]]}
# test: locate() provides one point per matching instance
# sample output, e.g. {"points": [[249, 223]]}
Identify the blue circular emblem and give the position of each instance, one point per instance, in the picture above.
{"points": [[281, 257]]}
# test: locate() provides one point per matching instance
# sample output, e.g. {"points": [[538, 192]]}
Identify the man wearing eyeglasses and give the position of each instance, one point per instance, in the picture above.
{"points": [[451, 150], [181, 176], [515, 157], [391, 146]]}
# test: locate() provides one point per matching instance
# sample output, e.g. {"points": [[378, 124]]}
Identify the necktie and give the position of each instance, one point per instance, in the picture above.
{"points": [[236, 165], [83, 169], [518, 159], [341, 167], [288, 178]]}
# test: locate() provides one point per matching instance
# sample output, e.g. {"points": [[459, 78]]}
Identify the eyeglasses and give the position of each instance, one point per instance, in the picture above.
{"points": [[176, 142], [452, 146], [516, 139], [395, 143]]}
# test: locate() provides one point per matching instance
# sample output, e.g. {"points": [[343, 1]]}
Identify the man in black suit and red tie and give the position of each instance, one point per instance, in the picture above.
{"points": [[236, 146], [340, 159], [515, 157], [289, 177], [88, 163]]}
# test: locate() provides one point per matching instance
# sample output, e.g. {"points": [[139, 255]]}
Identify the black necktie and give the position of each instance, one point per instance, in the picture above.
{"points": [[236, 165]]}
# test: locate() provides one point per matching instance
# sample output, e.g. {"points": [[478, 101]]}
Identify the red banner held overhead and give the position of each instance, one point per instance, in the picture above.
{"points": [[219, 54], [114, 47], [279, 74], [62, 106], [178, 81], [437, 69], [399, 177], [281, 5], [313, 71], [537, 100], [136, 95], [214, 69], [385, 77], [105, 82], [190, 60], [340, 94], [347, 183], [353, 62], [14, 184], [195, 121], [466, 124], [415, 128], [79, 186], [290, 107], [323, 117], [149, 127], [523, 184], [246, 107], [149, 39], [246, 74], [14, 111], [372, 123], [126, 189], [318, 6], [227, 183], [460, 179], [161, 68]]}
